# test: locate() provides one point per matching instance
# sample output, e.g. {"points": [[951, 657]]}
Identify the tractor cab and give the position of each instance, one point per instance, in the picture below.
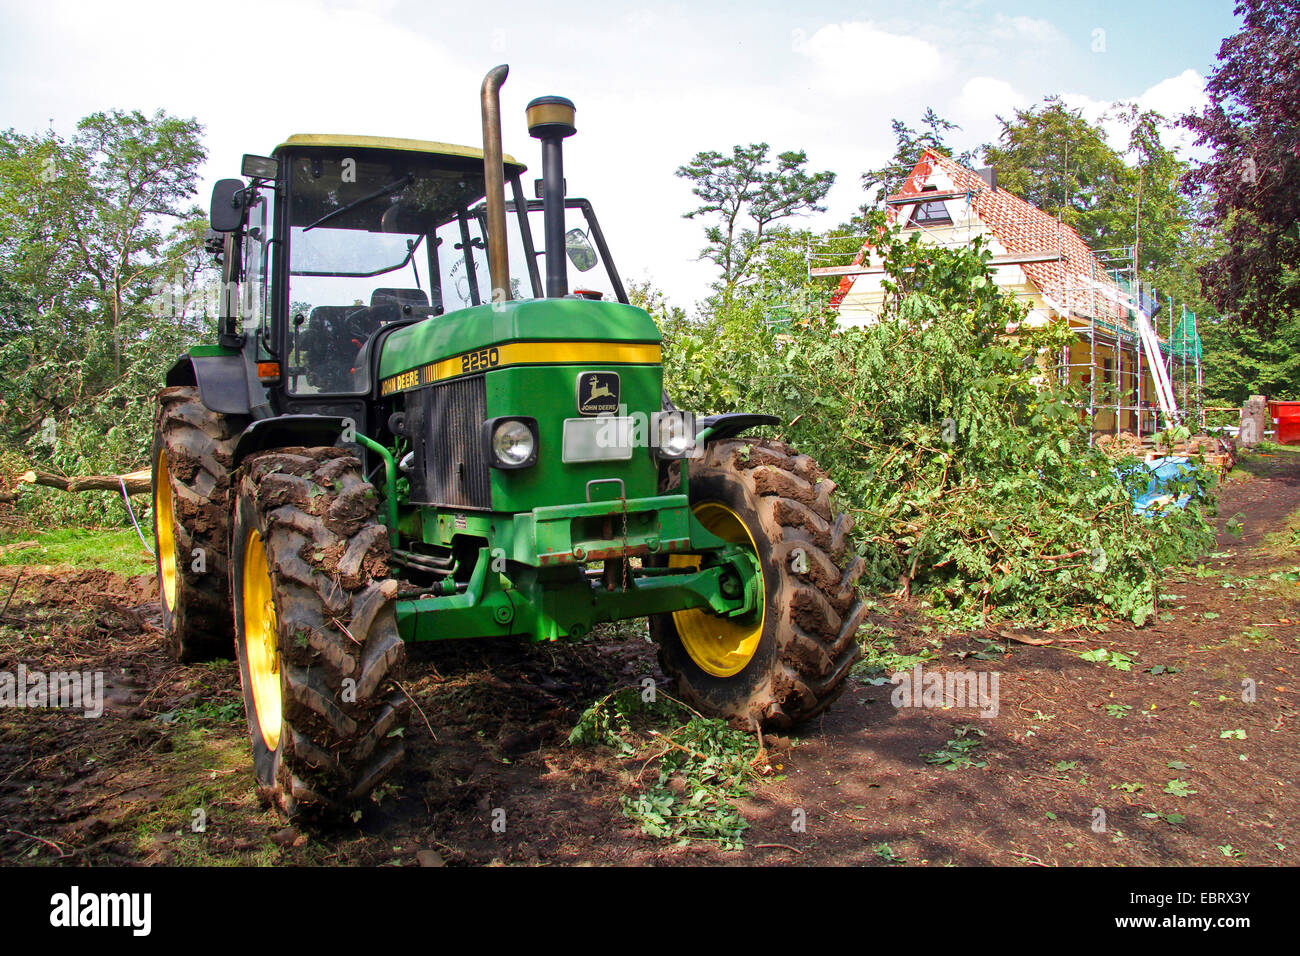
{"points": [[343, 237]]}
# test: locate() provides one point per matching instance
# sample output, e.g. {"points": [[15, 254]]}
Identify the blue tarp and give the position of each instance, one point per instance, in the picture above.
{"points": [[1172, 484]]}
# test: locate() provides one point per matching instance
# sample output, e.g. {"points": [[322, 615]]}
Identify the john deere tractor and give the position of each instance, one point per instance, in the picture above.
{"points": [[411, 428]]}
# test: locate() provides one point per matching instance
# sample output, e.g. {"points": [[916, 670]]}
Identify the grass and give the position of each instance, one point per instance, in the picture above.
{"points": [[113, 549], [211, 773], [1284, 543]]}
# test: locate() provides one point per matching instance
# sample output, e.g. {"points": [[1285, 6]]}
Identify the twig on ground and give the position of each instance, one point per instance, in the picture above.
{"points": [[420, 709], [777, 846]]}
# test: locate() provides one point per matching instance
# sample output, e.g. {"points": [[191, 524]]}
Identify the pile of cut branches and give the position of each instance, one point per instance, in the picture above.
{"points": [[966, 465]]}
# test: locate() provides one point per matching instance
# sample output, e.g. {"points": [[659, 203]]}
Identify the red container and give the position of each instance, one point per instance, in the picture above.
{"points": [[1286, 422]]}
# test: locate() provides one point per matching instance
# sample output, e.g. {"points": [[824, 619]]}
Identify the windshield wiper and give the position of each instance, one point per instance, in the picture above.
{"points": [[386, 190]]}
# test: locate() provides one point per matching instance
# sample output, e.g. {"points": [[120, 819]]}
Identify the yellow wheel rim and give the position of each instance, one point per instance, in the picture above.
{"points": [[721, 646], [166, 537], [261, 649]]}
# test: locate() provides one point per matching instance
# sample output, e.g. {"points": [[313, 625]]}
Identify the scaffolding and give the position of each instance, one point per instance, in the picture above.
{"points": [[1106, 361]]}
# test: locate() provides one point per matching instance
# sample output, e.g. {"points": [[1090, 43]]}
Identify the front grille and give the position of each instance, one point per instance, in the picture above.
{"points": [[456, 470]]}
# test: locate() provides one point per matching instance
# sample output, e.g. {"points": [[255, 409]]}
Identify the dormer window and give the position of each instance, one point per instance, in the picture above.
{"points": [[930, 213]]}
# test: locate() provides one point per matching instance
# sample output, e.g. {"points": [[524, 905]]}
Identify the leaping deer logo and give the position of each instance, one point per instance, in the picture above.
{"points": [[598, 390]]}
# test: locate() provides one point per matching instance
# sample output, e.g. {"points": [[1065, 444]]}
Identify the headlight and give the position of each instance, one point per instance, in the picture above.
{"points": [[674, 434], [512, 441]]}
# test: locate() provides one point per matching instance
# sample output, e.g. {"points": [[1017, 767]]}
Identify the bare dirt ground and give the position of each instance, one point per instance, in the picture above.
{"points": [[1085, 763]]}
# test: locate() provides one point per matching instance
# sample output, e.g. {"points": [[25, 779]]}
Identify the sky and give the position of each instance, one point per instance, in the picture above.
{"points": [[653, 83]]}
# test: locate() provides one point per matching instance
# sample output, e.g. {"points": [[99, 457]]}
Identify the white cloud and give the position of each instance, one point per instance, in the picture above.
{"points": [[979, 104], [859, 57], [1177, 95], [1092, 110]]}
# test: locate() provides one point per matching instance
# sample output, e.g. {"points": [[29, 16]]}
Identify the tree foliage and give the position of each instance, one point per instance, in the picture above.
{"points": [[743, 196], [1052, 156], [1252, 124], [93, 228], [971, 476], [909, 144]]}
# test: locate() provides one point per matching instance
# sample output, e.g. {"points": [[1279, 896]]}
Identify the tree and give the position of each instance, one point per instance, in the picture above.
{"points": [[909, 144], [1252, 125], [1162, 215], [646, 295], [92, 228], [747, 193], [1241, 361]]}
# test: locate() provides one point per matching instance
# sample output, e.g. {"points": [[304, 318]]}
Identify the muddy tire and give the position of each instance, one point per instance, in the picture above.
{"points": [[316, 635], [192, 455], [805, 642]]}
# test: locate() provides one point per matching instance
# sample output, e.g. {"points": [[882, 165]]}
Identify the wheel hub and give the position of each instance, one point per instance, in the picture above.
{"points": [[721, 646]]}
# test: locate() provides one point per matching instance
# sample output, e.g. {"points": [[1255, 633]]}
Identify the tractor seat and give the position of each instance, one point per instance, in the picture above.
{"points": [[325, 345], [385, 308]]}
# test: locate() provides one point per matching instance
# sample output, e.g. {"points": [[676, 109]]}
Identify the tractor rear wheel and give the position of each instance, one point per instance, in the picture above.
{"points": [[787, 662], [315, 630], [192, 455]]}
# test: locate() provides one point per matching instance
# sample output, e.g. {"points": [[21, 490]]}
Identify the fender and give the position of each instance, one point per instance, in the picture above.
{"points": [[731, 425], [222, 381], [282, 431]]}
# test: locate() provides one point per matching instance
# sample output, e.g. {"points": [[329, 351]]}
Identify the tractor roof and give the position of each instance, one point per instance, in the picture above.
{"points": [[346, 141]]}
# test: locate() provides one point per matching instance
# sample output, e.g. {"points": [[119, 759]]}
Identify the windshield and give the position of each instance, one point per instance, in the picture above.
{"points": [[379, 238]]}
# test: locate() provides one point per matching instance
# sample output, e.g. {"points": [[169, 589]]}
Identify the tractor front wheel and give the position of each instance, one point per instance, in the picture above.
{"points": [[787, 661], [315, 631]]}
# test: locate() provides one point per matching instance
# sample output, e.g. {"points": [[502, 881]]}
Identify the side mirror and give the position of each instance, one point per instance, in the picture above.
{"points": [[578, 247], [227, 211]]}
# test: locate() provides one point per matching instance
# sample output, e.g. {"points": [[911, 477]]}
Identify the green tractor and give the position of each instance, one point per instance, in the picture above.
{"points": [[412, 429]]}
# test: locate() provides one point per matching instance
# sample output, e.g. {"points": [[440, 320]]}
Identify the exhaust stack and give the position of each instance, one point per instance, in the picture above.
{"points": [[494, 178], [550, 119]]}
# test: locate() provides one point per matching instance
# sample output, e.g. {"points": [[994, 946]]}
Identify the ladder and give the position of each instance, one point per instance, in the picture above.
{"points": [[1150, 345]]}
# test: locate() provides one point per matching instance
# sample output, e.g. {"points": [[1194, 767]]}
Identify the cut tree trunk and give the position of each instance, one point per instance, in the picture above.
{"points": [[136, 482]]}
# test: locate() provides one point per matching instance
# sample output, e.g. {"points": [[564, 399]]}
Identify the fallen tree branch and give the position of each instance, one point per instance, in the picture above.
{"points": [[136, 482]]}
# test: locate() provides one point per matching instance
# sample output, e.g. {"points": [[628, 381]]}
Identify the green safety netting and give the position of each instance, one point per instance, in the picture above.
{"points": [[1184, 342]]}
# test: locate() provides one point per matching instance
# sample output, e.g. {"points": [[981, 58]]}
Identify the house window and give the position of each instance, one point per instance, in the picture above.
{"points": [[930, 213]]}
